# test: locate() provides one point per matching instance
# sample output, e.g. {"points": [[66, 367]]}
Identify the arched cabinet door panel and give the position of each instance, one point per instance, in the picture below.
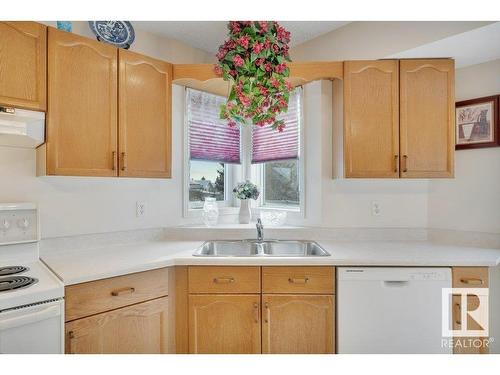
{"points": [[145, 107], [82, 123], [224, 324], [23, 68], [298, 324], [427, 110], [371, 119]]}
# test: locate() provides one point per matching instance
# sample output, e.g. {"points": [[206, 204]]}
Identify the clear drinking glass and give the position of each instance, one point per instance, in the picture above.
{"points": [[210, 212]]}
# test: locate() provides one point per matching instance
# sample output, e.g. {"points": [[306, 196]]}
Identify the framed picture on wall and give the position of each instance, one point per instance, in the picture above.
{"points": [[477, 123]]}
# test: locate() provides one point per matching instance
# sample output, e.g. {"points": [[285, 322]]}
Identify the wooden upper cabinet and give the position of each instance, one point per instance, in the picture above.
{"points": [[298, 324], [224, 324], [82, 111], [427, 121], [371, 118], [141, 328], [23, 68], [145, 106]]}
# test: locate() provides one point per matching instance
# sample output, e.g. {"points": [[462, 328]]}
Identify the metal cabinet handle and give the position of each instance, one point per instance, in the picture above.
{"points": [[115, 161], [71, 336], [224, 280], [458, 321], [119, 292], [256, 311], [405, 162], [396, 157], [472, 281], [124, 161], [298, 280]]}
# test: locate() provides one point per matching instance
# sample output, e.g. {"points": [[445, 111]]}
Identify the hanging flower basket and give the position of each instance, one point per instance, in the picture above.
{"points": [[254, 60]]}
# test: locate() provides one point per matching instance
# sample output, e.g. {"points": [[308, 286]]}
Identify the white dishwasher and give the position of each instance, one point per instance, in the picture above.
{"points": [[390, 310]]}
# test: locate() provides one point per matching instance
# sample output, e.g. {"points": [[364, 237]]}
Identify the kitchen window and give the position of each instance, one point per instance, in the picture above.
{"points": [[213, 151], [218, 156]]}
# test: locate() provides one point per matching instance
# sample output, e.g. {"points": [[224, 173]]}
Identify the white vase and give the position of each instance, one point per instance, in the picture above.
{"points": [[245, 213], [210, 212]]}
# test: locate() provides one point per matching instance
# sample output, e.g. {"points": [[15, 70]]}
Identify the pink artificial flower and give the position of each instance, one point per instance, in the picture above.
{"points": [[217, 69], [257, 47], [231, 123], [281, 127], [244, 41], [282, 35], [264, 26], [232, 73], [238, 61], [259, 61], [245, 100], [234, 27], [274, 82], [263, 90], [267, 43], [280, 68], [268, 67], [276, 48]]}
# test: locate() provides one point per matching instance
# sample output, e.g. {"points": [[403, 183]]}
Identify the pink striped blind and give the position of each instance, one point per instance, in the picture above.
{"points": [[210, 138], [271, 145]]}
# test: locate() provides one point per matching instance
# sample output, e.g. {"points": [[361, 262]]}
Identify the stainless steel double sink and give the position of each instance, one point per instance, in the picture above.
{"points": [[265, 248]]}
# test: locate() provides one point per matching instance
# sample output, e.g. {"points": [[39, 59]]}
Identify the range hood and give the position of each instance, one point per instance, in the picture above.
{"points": [[21, 128]]}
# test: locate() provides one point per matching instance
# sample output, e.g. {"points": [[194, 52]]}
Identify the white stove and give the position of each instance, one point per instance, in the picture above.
{"points": [[31, 296]]}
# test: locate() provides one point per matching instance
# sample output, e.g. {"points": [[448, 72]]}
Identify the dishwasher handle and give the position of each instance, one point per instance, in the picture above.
{"points": [[396, 283]]}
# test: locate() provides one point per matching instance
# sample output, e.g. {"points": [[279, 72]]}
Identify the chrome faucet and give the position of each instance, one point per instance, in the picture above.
{"points": [[260, 230]]}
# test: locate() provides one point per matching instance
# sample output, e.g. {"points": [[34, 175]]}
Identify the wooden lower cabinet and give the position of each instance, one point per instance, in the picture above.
{"points": [[141, 329], [469, 277], [224, 324], [298, 324]]}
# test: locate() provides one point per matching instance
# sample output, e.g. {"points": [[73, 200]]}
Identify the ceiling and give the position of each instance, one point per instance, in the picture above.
{"points": [[469, 48], [208, 35]]}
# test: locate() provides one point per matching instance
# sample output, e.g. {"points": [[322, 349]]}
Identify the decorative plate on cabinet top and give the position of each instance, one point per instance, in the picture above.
{"points": [[118, 33]]}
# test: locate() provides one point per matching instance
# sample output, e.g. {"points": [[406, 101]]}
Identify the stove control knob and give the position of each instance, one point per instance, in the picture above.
{"points": [[5, 224], [23, 223]]}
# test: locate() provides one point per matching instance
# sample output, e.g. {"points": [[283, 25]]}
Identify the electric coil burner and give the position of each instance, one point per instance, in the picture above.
{"points": [[12, 270], [16, 282]]}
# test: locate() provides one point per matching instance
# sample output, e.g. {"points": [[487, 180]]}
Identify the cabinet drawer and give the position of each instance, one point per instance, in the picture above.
{"points": [[94, 297], [470, 277], [310, 280], [224, 279]]}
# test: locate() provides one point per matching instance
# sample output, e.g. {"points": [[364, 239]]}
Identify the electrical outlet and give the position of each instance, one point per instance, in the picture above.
{"points": [[140, 209], [376, 210]]}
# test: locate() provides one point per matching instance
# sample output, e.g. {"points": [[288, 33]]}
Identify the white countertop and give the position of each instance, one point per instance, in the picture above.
{"points": [[82, 265]]}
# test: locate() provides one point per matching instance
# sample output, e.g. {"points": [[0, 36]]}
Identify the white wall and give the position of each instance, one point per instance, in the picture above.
{"points": [[471, 201], [348, 202], [80, 205], [152, 45], [375, 40]]}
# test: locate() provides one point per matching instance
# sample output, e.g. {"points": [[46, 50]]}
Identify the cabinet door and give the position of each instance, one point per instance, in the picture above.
{"points": [[427, 120], [371, 118], [302, 324], [145, 116], [23, 68], [224, 324], [82, 112], [468, 345], [140, 328]]}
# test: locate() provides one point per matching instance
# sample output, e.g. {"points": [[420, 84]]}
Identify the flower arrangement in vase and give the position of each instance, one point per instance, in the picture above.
{"points": [[254, 60], [245, 191]]}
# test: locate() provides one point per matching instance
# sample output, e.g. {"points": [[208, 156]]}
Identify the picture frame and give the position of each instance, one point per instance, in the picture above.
{"points": [[477, 123]]}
